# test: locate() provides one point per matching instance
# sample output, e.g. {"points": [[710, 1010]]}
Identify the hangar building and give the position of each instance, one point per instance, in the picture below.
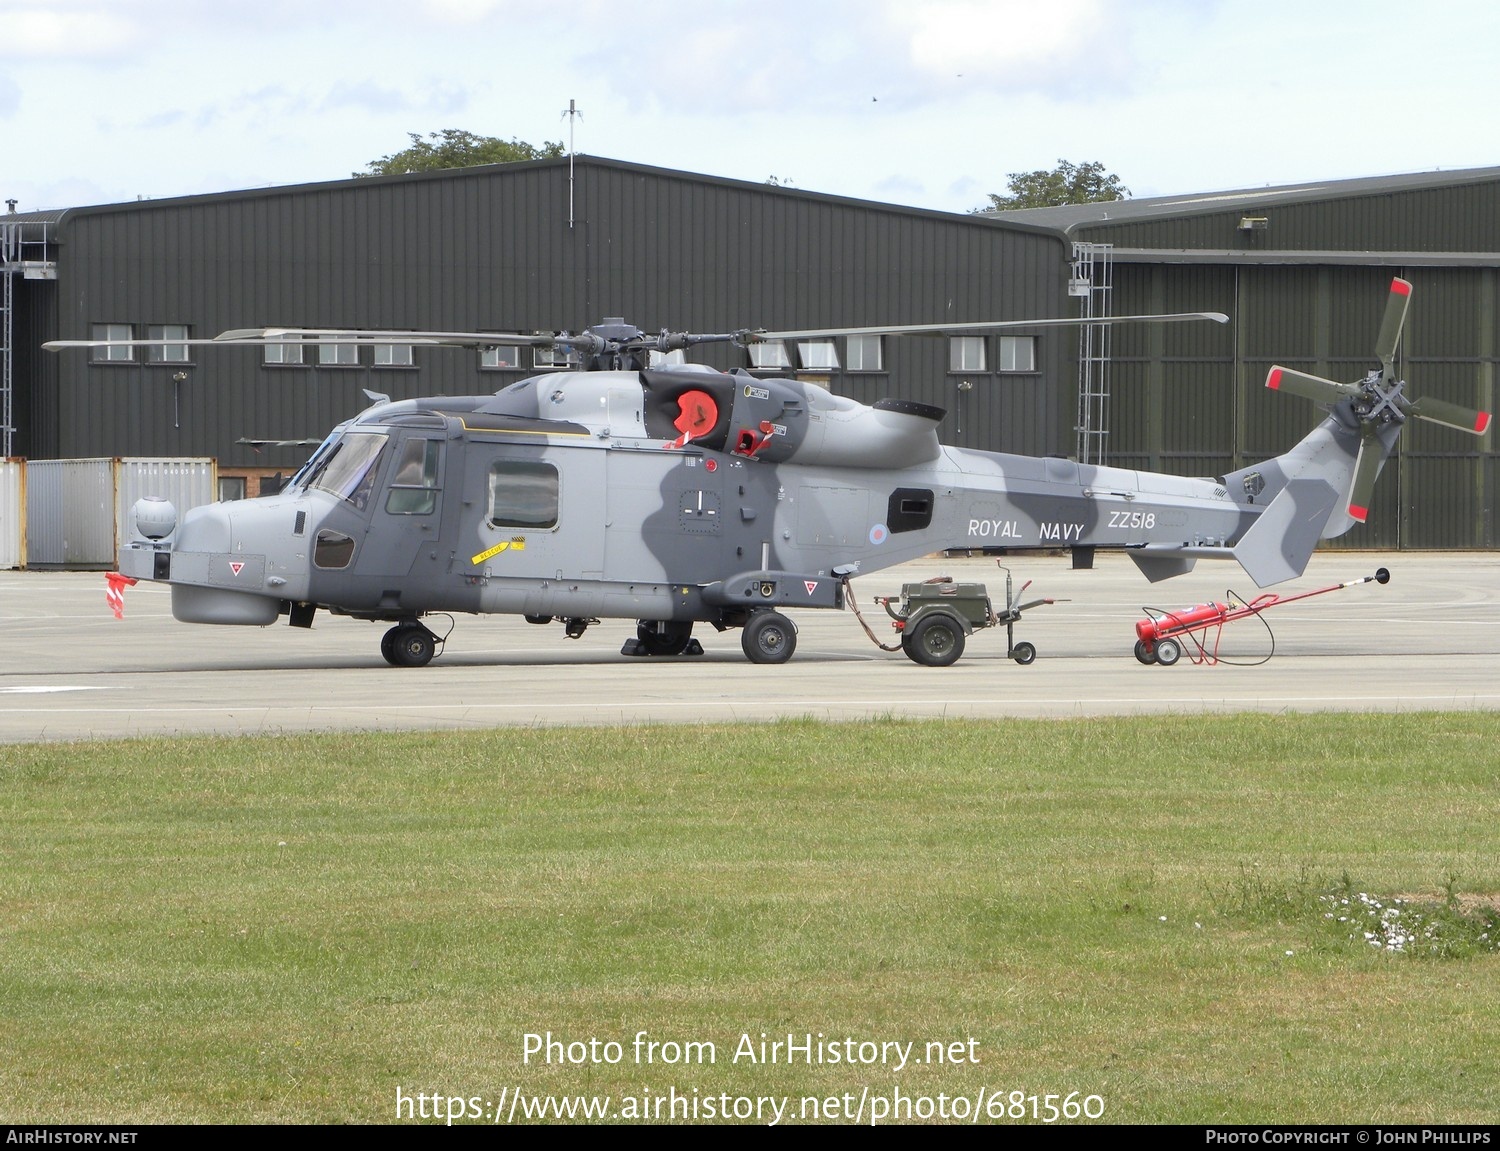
{"points": [[1303, 272], [551, 245]]}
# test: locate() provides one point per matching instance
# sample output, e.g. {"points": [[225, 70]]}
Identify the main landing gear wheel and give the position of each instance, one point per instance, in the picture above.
{"points": [[936, 641], [1023, 653], [408, 645], [1144, 653], [1168, 652], [769, 637], [665, 638]]}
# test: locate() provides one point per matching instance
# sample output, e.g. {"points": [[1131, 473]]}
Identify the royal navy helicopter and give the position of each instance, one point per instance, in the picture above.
{"points": [[683, 495]]}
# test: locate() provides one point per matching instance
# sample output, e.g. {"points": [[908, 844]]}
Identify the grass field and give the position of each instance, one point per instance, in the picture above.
{"points": [[1148, 911]]}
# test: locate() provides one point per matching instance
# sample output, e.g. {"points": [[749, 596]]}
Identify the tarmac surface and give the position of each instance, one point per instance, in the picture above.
{"points": [[1428, 640]]}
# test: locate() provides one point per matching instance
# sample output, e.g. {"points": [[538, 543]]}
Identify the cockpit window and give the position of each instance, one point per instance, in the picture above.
{"points": [[414, 489], [348, 469]]}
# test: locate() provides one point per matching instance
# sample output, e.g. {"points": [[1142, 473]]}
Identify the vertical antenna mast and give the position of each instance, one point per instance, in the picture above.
{"points": [[572, 114]]}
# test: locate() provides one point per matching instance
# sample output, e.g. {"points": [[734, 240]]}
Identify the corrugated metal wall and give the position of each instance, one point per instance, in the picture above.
{"points": [[1193, 400], [493, 248]]}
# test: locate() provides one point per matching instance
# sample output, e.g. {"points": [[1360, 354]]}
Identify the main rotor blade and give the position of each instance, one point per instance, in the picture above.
{"points": [[1450, 415], [1390, 326], [1311, 387], [1366, 468], [258, 336], [754, 337]]}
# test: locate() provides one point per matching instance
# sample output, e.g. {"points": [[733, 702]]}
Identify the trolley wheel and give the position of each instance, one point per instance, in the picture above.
{"points": [[769, 637], [1023, 653], [936, 641], [1144, 652], [1168, 652]]}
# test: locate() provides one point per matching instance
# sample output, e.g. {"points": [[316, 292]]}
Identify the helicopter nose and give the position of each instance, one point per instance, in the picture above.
{"points": [[205, 529]]}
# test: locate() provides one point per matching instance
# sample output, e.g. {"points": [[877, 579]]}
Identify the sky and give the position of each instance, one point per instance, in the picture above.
{"points": [[925, 103]]}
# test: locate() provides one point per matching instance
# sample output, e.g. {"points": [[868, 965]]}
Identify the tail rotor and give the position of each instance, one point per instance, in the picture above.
{"points": [[1378, 401]]}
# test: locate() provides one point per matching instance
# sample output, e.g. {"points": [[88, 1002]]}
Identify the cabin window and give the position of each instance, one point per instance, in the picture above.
{"points": [[909, 510], [414, 490], [1018, 353], [523, 494]]}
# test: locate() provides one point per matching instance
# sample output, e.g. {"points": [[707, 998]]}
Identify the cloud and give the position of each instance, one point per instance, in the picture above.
{"points": [[10, 96], [65, 30]]}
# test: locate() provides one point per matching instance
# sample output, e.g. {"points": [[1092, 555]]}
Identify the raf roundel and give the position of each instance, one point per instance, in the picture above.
{"points": [[879, 534]]}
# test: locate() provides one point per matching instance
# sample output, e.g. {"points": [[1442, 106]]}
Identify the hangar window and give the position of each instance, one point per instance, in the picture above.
{"points": [[113, 353], [864, 354], [167, 353], [966, 354], [768, 356], [283, 350], [553, 358], [393, 356], [817, 355], [506, 358], [331, 354], [523, 494], [1018, 353]]}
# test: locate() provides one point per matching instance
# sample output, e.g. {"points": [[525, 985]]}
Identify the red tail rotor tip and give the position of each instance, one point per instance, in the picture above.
{"points": [[1482, 424], [1400, 287], [1358, 513], [1274, 379]]}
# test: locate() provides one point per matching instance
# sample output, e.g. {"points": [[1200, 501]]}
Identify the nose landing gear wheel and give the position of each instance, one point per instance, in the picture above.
{"points": [[408, 645]]}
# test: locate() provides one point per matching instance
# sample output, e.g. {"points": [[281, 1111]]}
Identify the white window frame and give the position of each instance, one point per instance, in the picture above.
{"points": [[818, 355], [394, 356], [967, 354], [332, 355], [113, 353], [768, 356], [165, 353], [858, 357], [1018, 353], [553, 357], [501, 357], [283, 350]]}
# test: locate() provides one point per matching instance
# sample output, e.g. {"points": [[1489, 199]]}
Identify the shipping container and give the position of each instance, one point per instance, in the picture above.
{"points": [[12, 514], [76, 509]]}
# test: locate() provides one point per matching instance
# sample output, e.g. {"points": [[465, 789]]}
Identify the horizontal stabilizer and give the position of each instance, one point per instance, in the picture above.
{"points": [[1156, 566], [1279, 543]]}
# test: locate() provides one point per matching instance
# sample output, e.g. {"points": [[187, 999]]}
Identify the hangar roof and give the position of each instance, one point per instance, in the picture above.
{"points": [[1070, 217]]}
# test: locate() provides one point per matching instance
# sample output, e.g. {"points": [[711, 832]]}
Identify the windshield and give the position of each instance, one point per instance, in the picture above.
{"points": [[348, 469], [301, 474]]}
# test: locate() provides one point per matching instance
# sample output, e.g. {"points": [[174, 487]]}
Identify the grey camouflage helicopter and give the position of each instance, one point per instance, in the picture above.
{"points": [[681, 495]]}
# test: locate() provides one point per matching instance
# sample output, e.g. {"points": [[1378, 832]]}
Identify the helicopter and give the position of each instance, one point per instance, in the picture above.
{"points": [[677, 495]]}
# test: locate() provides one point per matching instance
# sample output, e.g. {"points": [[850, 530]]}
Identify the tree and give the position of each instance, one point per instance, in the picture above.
{"points": [[1068, 183], [455, 148]]}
